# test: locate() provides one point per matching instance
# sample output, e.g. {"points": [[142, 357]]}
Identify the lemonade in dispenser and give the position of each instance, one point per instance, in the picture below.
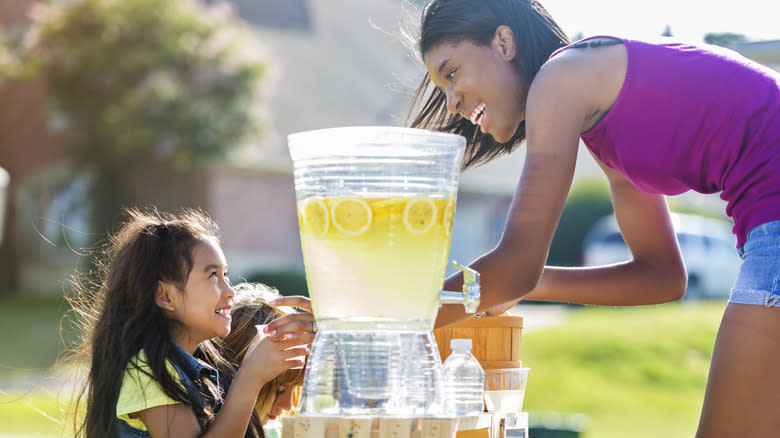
{"points": [[375, 211]]}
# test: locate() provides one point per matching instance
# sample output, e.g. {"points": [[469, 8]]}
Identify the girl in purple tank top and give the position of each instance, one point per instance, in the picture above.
{"points": [[660, 119]]}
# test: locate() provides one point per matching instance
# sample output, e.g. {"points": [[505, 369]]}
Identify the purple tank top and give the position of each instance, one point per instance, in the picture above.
{"points": [[700, 118]]}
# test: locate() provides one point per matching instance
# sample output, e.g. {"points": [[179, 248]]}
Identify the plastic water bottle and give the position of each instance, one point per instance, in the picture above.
{"points": [[465, 380]]}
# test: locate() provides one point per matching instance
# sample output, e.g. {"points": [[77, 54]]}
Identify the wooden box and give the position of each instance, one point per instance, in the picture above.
{"points": [[495, 340]]}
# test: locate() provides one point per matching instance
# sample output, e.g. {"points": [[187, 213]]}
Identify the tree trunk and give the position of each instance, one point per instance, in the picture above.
{"points": [[9, 254], [109, 195]]}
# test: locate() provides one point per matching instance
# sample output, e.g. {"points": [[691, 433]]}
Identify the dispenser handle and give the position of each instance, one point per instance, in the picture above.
{"points": [[470, 276], [471, 290]]}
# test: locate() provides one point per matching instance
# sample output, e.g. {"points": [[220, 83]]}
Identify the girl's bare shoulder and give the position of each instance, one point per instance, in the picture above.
{"points": [[586, 80]]}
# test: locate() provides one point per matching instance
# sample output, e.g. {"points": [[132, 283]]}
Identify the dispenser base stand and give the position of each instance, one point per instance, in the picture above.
{"points": [[368, 427], [487, 425]]}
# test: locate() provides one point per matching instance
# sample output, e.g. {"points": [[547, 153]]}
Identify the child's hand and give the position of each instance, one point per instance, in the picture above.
{"points": [[299, 301], [300, 324], [269, 355]]}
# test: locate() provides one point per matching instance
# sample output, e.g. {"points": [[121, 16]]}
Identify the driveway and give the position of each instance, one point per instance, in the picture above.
{"points": [[540, 316]]}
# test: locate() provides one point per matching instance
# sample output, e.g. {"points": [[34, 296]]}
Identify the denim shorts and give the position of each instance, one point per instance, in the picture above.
{"points": [[758, 281]]}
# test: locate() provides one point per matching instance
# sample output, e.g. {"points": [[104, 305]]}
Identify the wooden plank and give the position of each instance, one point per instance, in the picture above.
{"points": [[439, 427], [305, 427], [498, 343], [473, 433], [517, 335], [489, 321], [498, 364], [396, 427], [356, 427], [443, 336]]}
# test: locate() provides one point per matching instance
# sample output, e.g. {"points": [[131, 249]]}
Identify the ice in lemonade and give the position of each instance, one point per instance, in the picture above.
{"points": [[375, 257]]}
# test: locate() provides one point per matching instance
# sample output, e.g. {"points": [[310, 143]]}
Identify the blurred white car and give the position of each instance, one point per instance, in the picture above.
{"points": [[707, 246]]}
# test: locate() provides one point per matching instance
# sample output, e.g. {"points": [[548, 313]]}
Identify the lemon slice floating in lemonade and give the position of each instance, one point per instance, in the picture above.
{"points": [[419, 214], [449, 214], [315, 216], [351, 216]]}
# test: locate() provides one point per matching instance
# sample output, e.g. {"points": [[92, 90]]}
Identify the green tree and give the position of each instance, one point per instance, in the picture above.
{"points": [[724, 39], [10, 62], [144, 85], [588, 202]]}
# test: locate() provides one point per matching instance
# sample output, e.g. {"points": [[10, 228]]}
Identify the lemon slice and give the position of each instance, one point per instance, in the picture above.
{"points": [[387, 209], [419, 214], [449, 214], [315, 216], [351, 216]]}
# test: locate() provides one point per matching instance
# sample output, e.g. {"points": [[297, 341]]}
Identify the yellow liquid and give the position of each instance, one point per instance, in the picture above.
{"points": [[386, 263]]}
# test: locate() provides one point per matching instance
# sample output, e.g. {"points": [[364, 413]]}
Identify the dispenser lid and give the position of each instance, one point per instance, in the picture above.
{"points": [[374, 141], [460, 345]]}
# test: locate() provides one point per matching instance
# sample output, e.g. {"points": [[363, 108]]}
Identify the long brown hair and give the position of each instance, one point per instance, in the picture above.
{"points": [[118, 316], [250, 308], [452, 21]]}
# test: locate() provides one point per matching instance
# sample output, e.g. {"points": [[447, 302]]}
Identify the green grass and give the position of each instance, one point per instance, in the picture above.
{"points": [[30, 335], [31, 341], [636, 372], [38, 413]]}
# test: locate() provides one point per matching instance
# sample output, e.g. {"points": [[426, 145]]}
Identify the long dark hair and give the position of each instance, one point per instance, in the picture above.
{"points": [[536, 36], [250, 308], [119, 318]]}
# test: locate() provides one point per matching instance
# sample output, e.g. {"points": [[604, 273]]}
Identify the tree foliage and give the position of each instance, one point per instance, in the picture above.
{"points": [[146, 83], [724, 39], [587, 203], [10, 62]]}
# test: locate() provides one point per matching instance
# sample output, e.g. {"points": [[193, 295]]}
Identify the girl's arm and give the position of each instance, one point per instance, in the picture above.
{"points": [[513, 268], [561, 104], [655, 274], [270, 356]]}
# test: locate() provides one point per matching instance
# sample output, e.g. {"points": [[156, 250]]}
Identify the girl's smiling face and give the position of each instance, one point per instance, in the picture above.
{"points": [[202, 309], [480, 82]]}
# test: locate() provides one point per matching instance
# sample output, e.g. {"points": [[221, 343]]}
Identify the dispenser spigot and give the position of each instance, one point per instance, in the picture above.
{"points": [[471, 290]]}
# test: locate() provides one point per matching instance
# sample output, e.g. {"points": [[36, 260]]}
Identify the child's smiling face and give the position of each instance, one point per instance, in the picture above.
{"points": [[202, 309]]}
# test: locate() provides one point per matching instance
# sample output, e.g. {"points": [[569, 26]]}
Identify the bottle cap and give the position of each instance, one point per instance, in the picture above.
{"points": [[460, 345]]}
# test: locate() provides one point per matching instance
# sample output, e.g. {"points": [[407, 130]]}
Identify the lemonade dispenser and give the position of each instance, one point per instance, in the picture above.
{"points": [[375, 210]]}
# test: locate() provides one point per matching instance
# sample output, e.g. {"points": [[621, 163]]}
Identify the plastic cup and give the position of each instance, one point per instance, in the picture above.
{"points": [[505, 389]]}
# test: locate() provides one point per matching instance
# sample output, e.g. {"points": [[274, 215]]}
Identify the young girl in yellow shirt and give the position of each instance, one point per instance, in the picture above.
{"points": [[164, 294]]}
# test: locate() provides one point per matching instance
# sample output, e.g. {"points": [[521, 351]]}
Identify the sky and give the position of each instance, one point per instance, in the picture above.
{"points": [[689, 19]]}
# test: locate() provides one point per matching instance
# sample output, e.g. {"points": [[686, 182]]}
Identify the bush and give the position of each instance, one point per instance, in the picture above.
{"points": [[288, 282], [587, 202], [140, 85]]}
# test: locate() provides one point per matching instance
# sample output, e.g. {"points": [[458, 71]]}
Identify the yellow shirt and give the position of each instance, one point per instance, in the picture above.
{"points": [[140, 391]]}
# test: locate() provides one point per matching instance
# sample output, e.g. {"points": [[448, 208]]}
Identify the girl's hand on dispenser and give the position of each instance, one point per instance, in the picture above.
{"points": [[501, 308], [269, 355], [299, 325]]}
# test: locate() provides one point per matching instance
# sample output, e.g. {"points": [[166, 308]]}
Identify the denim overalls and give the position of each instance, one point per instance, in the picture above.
{"points": [[191, 371]]}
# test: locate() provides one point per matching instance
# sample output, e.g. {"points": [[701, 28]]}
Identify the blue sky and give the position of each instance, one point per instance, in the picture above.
{"points": [[689, 19]]}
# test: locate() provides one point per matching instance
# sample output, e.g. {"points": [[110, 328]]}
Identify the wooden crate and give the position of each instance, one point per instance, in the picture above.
{"points": [[495, 340]]}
